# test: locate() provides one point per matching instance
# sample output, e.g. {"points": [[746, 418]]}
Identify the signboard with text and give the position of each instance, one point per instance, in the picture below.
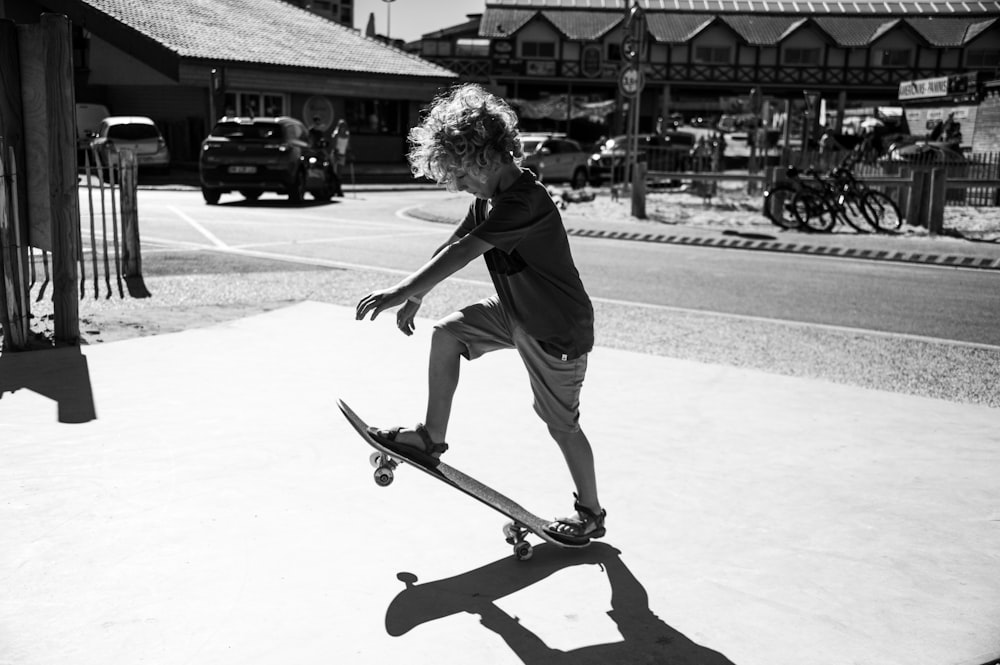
{"points": [[923, 88]]}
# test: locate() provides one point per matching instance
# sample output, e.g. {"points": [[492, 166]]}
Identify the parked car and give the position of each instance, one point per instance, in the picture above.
{"points": [[256, 155], [669, 151], [88, 122], [135, 132], [555, 158]]}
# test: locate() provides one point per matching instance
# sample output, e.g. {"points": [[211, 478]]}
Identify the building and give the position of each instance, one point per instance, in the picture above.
{"points": [[702, 58], [184, 63], [341, 11]]}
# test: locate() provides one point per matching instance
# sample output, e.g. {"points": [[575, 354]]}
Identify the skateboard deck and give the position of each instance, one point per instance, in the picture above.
{"points": [[523, 522]]}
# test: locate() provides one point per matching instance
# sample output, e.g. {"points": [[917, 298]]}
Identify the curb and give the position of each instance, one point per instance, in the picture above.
{"points": [[945, 260]]}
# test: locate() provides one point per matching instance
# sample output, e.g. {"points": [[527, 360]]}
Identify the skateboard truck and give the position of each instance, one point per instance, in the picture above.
{"points": [[515, 534], [384, 466]]}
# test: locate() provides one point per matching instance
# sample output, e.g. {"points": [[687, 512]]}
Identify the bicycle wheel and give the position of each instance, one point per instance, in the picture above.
{"points": [[881, 211], [813, 212], [852, 211], [778, 205]]}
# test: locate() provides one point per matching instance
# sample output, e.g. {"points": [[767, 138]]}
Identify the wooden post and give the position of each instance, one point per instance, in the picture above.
{"points": [[50, 107], [639, 191], [14, 296], [131, 256], [915, 206], [938, 189]]}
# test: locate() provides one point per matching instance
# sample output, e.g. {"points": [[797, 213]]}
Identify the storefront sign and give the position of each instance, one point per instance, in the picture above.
{"points": [[540, 68], [590, 60], [923, 88]]}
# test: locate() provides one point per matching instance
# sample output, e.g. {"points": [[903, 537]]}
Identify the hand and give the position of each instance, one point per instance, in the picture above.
{"points": [[379, 301], [405, 316]]}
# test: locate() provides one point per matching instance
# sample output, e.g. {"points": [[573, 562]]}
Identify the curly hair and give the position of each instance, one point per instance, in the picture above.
{"points": [[467, 129]]}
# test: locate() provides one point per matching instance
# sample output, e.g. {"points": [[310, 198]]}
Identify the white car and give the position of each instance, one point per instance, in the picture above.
{"points": [[134, 132], [554, 158]]}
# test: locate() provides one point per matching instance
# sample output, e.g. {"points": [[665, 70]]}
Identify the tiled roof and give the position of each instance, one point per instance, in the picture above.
{"points": [[268, 32], [803, 7], [498, 24], [763, 30], [676, 28], [754, 28], [853, 30], [583, 24]]}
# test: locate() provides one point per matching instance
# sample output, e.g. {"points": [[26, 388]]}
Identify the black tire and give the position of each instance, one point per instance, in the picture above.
{"points": [[853, 212], [881, 211], [813, 212], [211, 196], [778, 205], [579, 180]]}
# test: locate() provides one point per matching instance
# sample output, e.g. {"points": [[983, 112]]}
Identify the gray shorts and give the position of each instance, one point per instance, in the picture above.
{"points": [[556, 383]]}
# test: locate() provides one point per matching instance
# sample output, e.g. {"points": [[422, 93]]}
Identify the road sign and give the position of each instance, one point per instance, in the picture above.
{"points": [[631, 81]]}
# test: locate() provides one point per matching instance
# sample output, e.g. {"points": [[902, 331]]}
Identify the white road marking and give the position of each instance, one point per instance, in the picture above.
{"points": [[219, 246]]}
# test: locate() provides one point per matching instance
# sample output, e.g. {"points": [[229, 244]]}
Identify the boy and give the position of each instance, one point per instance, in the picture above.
{"points": [[469, 142]]}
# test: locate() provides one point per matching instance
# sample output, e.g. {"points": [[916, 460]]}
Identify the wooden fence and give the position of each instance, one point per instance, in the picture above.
{"points": [[921, 186], [39, 187]]}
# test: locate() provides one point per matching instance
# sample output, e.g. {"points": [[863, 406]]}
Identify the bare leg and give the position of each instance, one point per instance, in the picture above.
{"points": [[444, 368], [443, 373], [580, 459]]}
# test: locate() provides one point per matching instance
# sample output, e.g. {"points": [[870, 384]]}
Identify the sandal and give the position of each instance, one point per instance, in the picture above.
{"points": [[583, 526], [428, 456]]}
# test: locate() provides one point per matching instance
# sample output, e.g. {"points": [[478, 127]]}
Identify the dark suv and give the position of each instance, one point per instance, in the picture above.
{"points": [[256, 155], [669, 151]]}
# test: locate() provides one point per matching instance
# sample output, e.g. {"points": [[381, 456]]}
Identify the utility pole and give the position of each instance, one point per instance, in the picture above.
{"points": [[388, 20]]}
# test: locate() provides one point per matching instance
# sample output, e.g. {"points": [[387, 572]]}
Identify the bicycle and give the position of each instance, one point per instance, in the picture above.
{"points": [[778, 200], [844, 198]]}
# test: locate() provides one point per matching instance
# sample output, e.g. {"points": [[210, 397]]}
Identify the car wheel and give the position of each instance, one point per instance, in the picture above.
{"points": [[251, 194], [297, 192], [212, 196], [579, 180]]}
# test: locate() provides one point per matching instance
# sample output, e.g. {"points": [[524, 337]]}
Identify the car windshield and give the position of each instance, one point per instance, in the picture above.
{"points": [[530, 146], [616, 143], [133, 132], [260, 131]]}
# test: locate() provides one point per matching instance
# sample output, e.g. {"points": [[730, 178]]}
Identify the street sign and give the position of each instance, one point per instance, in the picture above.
{"points": [[812, 101], [631, 81]]}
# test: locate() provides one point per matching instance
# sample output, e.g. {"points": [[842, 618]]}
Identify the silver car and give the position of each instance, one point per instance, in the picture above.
{"points": [[136, 133], [555, 158]]}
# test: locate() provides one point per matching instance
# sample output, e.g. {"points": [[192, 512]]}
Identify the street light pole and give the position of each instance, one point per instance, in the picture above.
{"points": [[388, 19]]}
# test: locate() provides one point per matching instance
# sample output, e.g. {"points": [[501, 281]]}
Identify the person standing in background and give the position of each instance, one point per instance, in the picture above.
{"points": [[341, 144]]}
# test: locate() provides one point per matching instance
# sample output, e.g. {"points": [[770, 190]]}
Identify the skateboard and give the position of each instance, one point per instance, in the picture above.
{"points": [[386, 461]]}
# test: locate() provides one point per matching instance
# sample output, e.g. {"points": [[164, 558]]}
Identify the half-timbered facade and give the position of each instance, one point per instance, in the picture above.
{"points": [[702, 57]]}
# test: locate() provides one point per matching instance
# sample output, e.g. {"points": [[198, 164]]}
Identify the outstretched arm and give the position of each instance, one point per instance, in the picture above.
{"points": [[446, 262]]}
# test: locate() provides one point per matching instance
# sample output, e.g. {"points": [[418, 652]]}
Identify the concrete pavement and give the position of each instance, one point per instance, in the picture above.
{"points": [[197, 497]]}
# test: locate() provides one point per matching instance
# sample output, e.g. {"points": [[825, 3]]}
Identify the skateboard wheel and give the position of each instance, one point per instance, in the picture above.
{"points": [[383, 476], [523, 551], [375, 459]]}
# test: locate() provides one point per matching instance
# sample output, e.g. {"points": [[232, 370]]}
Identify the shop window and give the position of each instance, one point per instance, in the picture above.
{"points": [[899, 57], [255, 104], [472, 48], [375, 116], [436, 47], [538, 49], [712, 55], [983, 57], [801, 57]]}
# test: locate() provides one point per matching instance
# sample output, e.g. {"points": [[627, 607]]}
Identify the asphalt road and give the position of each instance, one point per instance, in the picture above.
{"points": [[372, 231]]}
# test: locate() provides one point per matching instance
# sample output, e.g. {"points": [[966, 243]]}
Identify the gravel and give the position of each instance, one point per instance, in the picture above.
{"points": [[950, 371]]}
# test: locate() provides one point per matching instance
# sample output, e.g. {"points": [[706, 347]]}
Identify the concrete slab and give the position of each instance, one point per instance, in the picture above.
{"points": [[197, 497]]}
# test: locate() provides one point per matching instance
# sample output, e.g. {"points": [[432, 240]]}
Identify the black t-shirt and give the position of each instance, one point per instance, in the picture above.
{"points": [[532, 267]]}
